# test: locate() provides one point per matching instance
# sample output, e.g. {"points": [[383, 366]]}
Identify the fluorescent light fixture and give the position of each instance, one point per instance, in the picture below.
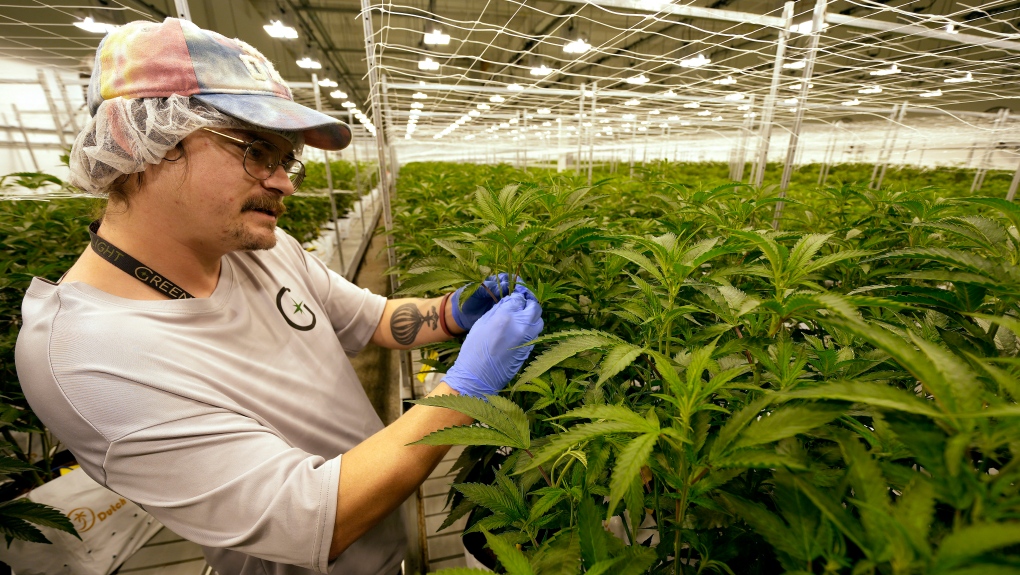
{"points": [[600, 110], [750, 114], [308, 64], [496, 99], [638, 80], [515, 87], [673, 118], [474, 113], [806, 27], [546, 124], [513, 120], [349, 105], [482, 106], [543, 111], [629, 116], [419, 96], [727, 81], [870, 90], [589, 93], [692, 105], [428, 64], [276, 29], [663, 125], [854, 102], [705, 113], [717, 119], [967, 78], [543, 70], [327, 83], [89, 25], [587, 124], [799, 85], [790, 101], [887, 71], [669, 93], [338, 94], [734, 97], [437, 38], [604, 121], [744, 107], [696, 62], [578, 46], [931, 94], [951, 28], [504, 124], [653, 113], [645, 122], [417, 105], [795, 65], [415, 111], [685, 123], [632, 102], [642, 129]]}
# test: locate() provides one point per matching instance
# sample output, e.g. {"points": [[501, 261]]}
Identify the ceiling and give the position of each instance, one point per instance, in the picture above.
{"points": [[944, 59]]}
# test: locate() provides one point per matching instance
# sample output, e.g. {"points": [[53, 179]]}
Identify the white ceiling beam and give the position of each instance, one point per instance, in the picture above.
{"points": [[687, 11], [915, 30]]}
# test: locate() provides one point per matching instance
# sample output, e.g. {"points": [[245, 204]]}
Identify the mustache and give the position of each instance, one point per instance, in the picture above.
{"points": [[265, 204]]}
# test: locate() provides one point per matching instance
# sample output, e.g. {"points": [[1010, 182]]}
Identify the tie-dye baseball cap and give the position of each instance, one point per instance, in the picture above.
{"points": [[154, 60]]}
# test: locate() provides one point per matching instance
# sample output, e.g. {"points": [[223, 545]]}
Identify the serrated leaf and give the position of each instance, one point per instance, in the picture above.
{"points": [[786, 421], [591, 533], [14, 528], [577, 434], [616, 413], [483, 411], [468, 435], [629, 461], [494, 499], [877, 394], [39, 514], [559, 555], [758, 459], [510, 557], [972, 541], [561, 351], [616, 360]]}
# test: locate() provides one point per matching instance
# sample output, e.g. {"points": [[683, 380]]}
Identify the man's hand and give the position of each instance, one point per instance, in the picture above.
{"points": [[490, 356], [480, 301]]}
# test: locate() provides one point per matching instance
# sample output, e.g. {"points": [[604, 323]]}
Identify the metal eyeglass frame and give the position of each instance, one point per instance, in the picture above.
{"points": [[296, 177]]}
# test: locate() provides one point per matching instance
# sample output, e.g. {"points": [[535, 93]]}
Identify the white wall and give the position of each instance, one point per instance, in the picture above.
{"points": [[30, 100]]}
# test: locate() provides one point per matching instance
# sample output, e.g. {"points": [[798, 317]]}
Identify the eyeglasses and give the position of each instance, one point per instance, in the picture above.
{"points": [[261, 158]]}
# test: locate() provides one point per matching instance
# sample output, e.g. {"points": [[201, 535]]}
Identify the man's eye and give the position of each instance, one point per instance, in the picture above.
{"points": [[258, 153]]}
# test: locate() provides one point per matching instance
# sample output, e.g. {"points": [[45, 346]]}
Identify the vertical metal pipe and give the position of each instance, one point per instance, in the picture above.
{"points": [[1013, 185], [580, 127], [57, 123], [817, 21], [770, 101], [380, 137], [67, 102], [24, 134], [524, 137], [892, 144], [329, 181], [979, 176], [885, 142], [591, 132], [182, 9]]}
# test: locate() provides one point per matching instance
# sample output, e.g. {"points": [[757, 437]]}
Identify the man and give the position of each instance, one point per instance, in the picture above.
{"points": [[194, 359]]}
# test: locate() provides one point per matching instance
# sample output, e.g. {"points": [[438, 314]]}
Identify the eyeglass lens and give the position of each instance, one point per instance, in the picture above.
{"points": [[262, 158]]}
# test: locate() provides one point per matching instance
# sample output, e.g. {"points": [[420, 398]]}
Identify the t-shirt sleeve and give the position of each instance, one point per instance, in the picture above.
{"points": [[223, 480], [354, 312]]}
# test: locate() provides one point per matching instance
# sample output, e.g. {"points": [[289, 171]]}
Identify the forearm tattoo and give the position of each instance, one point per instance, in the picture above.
{"points": [[406, 322]]}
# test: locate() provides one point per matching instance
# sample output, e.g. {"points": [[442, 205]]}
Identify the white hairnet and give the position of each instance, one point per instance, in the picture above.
{"points": [[127, 134]]}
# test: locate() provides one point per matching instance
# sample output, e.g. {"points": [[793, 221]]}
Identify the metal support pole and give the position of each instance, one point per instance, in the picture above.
{"points": [[1013, 185], [329, 182], [770, 101], [979, 176], [591, 132], [524, 136], [892, 144], [380, 136], [183, 11], [357, 176], [580, 127], [885, 142], [73, 122], [57, 124], [830, 149], [21, 127], [817, 21], [517, 148]]}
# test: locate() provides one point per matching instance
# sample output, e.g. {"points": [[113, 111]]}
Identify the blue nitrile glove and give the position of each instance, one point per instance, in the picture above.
{"points": [[488, 360], [480, 301]]}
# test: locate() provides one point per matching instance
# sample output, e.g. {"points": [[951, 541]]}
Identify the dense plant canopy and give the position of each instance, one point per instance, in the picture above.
{"points": [[838, 396]]}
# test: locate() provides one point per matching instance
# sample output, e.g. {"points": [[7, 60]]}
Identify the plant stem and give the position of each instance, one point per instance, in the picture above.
{"points": [[544, 475]]}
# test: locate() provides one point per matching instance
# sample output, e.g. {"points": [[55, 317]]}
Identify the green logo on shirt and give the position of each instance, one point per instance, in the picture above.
{"points": [[299, 308]]}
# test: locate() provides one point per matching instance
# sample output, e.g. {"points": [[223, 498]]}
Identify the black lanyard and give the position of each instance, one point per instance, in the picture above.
{"points": [[133, 267]]}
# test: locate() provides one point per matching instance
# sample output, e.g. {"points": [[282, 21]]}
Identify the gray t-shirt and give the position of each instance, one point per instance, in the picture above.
{"points": [[224, 417]]}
